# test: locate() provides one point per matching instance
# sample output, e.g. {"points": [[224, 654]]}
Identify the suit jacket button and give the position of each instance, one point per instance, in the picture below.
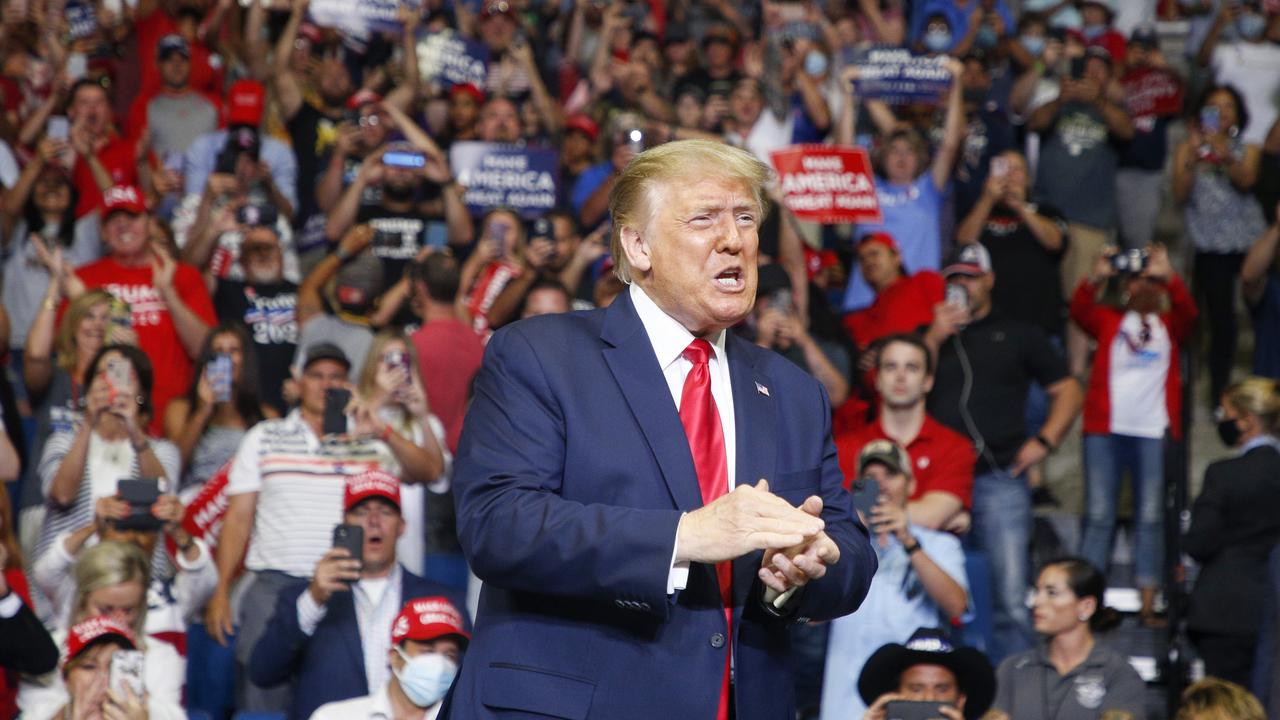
{"points": [[717, 640]]}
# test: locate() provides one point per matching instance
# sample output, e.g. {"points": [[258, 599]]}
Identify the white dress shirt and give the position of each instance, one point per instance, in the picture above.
{"points": [[377, 602], [670, 339]]}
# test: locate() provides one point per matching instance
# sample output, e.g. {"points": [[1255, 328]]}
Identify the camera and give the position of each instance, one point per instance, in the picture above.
{"points": [[1129, 261]]}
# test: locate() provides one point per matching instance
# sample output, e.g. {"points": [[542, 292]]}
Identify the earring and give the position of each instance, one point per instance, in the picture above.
{"points": [[139, 399]]}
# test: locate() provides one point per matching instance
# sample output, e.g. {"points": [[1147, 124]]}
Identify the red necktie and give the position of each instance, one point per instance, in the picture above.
{"points": [[701, 423]]}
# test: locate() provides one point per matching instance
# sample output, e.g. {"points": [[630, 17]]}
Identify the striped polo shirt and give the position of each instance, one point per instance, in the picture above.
{"points": [[299, 480]]}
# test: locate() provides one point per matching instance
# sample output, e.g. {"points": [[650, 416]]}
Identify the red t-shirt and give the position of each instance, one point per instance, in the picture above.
{"points": [[117, 156], [902, 307], [449, 354], [206, 68], [157, 336], [941, 457]]}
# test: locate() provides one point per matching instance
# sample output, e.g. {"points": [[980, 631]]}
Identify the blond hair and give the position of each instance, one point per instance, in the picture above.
{"points": [[111, 563], [77, 310], [1215, 699], [373, 360], [634, 197], [1256, 396]]}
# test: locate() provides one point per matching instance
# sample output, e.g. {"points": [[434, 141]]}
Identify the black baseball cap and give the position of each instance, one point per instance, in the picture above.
{"points": [[325, 351]]}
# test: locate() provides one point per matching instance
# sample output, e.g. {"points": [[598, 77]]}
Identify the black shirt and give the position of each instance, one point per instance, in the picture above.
{"points": [[270, 314], [313, 134], [1004, 356], [1028, 280]]}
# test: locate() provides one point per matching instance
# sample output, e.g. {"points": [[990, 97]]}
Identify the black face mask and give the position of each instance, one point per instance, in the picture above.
{"points": [[1229, 432]]}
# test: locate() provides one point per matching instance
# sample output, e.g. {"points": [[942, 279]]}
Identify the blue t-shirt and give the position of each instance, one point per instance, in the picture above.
{"points": [[911, 215], [1266, 336], [590, 179]]}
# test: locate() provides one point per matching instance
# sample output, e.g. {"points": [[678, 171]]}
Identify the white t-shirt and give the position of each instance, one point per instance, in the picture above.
{"points": [[1140, 356], [1254, 70]]}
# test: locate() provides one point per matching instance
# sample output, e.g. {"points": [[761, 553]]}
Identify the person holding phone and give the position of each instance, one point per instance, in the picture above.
{"points": [[928, 677], [208, 423], [111, 581], [350, 600], [500, 256], [1214, 173], [780, 327], [84, 462], [409, 440], [921, 580]]}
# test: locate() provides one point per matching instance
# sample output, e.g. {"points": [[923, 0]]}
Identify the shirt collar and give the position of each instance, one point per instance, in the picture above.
{"points": [[381, 705], [1259, 442], [668, 337]]}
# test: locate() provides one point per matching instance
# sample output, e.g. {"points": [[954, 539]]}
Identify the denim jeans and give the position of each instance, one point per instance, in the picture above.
{"points": [[1002, 531], [1106, 457]]}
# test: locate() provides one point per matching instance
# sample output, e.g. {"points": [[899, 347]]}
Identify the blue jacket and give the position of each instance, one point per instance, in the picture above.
{"points": [[328, 665], [572, 474]]}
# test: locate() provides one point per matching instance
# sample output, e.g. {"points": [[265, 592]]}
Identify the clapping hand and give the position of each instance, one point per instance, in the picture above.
{"points": [[784, 569]]}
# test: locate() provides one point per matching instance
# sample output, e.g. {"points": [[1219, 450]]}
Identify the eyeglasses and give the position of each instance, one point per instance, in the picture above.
{"points": [[497, 8], [372, 120]]}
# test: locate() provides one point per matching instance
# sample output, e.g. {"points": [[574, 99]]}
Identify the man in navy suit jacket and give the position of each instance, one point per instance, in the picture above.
{"points": [[578, 490], [314, 639]]}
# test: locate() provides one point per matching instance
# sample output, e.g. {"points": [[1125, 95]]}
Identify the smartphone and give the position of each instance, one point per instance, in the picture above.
{"points": [[866, 493], [957, 296], [397, 359], [350, 537], [117, 373], [1077, 67], [119, 317], [999, 166], [780, 300], [141, 495], [635, 141], [58, 128], [1210, 119], [77, 66], [126, 671], [219, 373], [914, 710], [398, 158], [335, 411], [498, 234]]}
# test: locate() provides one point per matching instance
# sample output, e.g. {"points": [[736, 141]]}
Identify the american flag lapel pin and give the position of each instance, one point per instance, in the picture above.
{"points": [[762, 390]]}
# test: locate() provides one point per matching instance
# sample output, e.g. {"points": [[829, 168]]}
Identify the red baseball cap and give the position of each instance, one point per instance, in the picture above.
{"points": [[311, 32], [126, 198], [815, 262], [85, 632], [368, 484], [363, 96], [244, 103], [468, 89], [428, 618], [583, 124], [881, 237]]}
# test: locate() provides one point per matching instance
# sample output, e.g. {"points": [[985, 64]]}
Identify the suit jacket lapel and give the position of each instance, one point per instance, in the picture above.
{"points": [[755, 421], [342, 607], [635, 368]]}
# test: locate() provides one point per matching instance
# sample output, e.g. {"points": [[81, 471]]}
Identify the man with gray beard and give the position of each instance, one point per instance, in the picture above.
{"points": [[264, 301]]}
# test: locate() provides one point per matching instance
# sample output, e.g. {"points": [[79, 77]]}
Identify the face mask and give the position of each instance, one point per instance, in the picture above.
{"points": [[426, 678], [1229, 432], [1251, 25], [937, 41], [1093, 32], [815, 63], [1033, 44], [986, 37]]}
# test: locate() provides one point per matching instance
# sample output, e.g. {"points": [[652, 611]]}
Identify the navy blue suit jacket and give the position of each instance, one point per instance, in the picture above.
{"points": [[328, 665], [572, 474]]}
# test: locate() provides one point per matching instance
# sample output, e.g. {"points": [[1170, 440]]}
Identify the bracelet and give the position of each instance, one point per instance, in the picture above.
{"points": [[385, 435], [913, 548], [1045, 442], [138, 447]]}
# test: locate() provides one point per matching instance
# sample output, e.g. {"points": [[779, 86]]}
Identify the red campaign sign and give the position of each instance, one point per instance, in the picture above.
{"points": [[203, 516], [1152, 92], [828, 184]]}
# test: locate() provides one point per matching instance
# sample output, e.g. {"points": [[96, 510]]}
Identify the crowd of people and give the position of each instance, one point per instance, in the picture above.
{"points": [[248, 281]]}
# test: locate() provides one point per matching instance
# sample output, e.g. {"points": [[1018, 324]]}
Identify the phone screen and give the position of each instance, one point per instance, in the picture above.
{"points": [[335, 411], [126, 671], [59, 128], [77, 66], [219, 373], [498, 234]]}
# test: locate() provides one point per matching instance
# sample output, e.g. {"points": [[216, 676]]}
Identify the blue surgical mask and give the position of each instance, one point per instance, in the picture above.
{"points": [[937, 40], [1250, 25], [1033, 44], [1093, 32], [815, 63], [986, 37], [425, 678]]}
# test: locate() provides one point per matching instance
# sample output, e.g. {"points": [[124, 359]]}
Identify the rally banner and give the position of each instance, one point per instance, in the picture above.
{"points": [[356, 17], [81, 18], [1152, 92], [495, 175], [899, 78], [828, 184], [449, 59]]}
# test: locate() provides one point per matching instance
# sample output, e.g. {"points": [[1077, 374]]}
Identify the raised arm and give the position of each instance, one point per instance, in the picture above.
{"points": [[953, 134], [288, 87], [1257, 264]]}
